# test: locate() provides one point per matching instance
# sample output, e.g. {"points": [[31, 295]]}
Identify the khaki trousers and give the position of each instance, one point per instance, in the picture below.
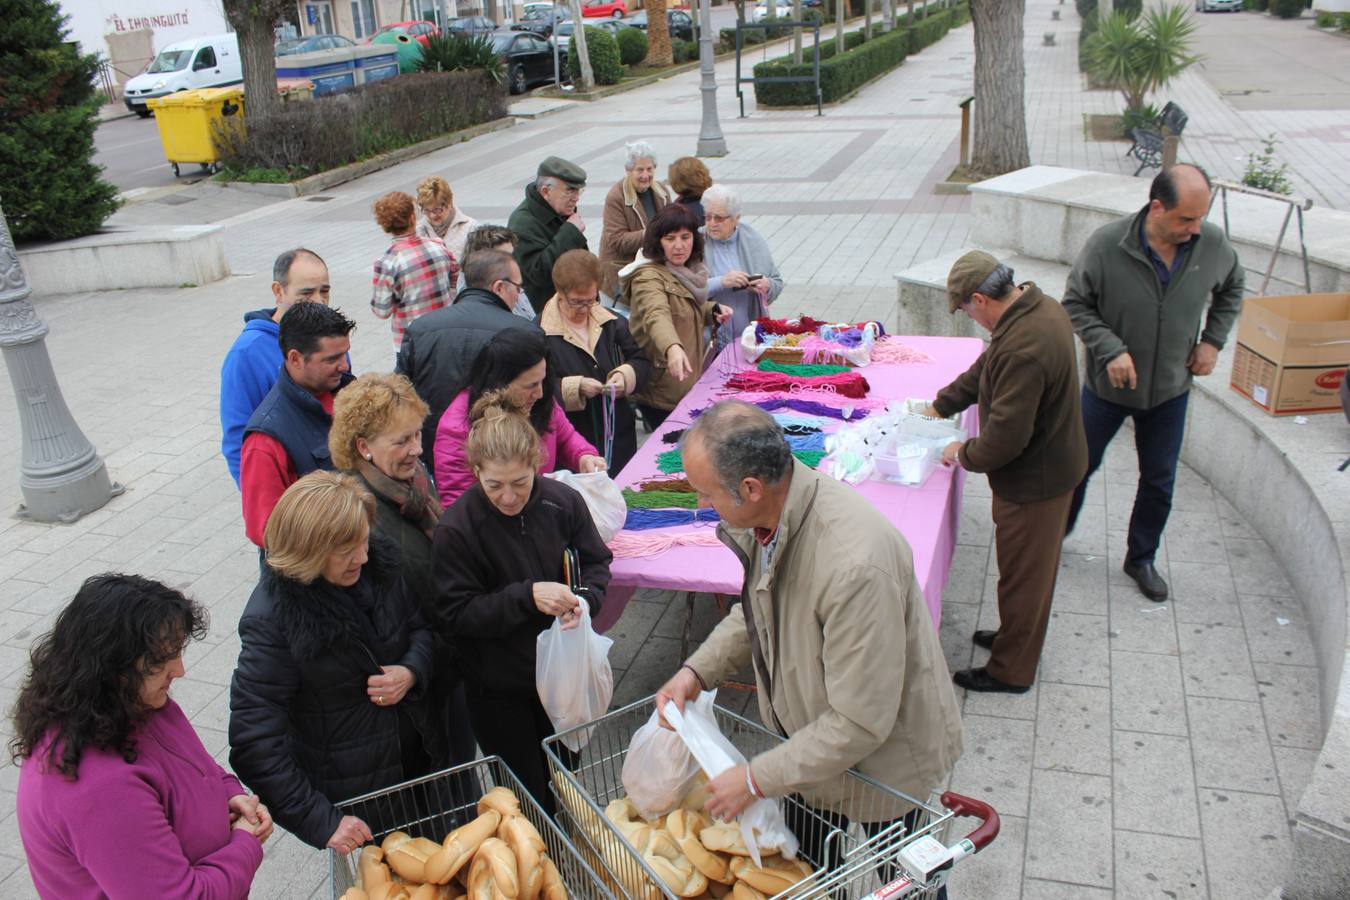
{"points": [[1027, 538]]}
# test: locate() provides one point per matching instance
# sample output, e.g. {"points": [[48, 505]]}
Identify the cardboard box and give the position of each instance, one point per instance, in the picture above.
{"points": [[1292, 352]]}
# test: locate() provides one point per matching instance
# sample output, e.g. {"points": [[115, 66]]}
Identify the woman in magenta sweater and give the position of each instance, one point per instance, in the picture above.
{"points": [[515, 359], [117, 796]]}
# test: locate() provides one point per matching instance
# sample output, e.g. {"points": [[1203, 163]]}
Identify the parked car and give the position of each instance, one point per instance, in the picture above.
{"points": [[528, 58], [419, 29], [541, 20], [184, 66], [311, 44], [592, 9], [778, 9], [680, 23], [1218, 5], [470, 25], [613, 26]]}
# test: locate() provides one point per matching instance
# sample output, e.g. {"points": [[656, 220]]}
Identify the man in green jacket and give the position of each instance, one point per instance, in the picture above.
{"points": [[1137, 296], [547, 225], [1031, 446]]}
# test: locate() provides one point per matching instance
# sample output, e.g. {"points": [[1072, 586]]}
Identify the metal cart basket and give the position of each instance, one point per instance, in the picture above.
{"points": [[856, 836], [436, 804]]}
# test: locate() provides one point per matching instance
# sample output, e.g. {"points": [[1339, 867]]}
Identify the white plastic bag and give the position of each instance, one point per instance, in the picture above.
{"points": [[573, 677], [658, 769], [762, 824], [603, 498]]}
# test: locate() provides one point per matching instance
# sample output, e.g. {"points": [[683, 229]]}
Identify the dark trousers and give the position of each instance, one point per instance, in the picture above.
{"points": [[513, 728], [653, 418], [1157, 441], [813, 826], [1027, 538]]}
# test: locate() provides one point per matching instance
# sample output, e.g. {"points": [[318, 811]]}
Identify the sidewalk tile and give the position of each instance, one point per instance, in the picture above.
{"points": [[1152, 866], [1040, 889], [1229, 743], [1067, 803], [1204, 593], [1289, 696], [1214, 662], [1277, 630], [1076, 650], [1146, 693], [1256, 570], [1138, 623], [1081, 584], [1295, 767], [996, 874], [1154, 785], [1246, 841], [1073, 729], [996, 764]]}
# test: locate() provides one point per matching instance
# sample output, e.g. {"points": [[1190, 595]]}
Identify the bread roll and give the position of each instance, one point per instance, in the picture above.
{"points": [[743, 891], [408, 856], [502, 800], [371, 867], [774, 877], [434, 892], [663, 854], [717, 890], [697, 798], [389, 892], [685, 827], [582, 813], [553, 888], [354, 894], [528, 847], [724, 837], [459, 846], [493, 873]]}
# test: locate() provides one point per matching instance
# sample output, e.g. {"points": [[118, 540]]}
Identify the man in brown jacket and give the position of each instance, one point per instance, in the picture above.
{"points": [[845, 655], [1031, 445]]}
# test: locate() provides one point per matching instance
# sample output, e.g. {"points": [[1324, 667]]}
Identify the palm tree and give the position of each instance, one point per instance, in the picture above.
{"points": [[1140, 56], [659, 52]]}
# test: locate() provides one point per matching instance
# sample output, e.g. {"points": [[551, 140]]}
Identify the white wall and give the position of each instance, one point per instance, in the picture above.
{"points": [[169, 20]]}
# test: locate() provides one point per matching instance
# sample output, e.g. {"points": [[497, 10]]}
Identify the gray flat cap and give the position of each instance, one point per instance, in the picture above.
{"points": [[559, 168]]}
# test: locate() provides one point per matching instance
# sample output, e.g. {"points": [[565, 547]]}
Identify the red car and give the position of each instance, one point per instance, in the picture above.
{"points": [[419, 30], [599, 8]]}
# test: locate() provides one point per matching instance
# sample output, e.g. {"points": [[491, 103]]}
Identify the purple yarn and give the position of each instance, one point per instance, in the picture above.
{"points": [[809, 407]]}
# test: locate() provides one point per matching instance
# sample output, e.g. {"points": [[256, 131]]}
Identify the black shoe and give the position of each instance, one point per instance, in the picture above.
{"points": [[984, 639], [1150, 583], [980, 680]]}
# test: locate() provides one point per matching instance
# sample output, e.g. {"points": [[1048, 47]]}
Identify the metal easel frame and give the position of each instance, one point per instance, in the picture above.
{"points": [[1221, 189]]}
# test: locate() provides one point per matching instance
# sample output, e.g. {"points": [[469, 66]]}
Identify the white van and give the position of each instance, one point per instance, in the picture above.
{"points": [[185, 66]]}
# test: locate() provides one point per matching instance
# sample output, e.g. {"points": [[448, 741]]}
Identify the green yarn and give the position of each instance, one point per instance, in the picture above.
{"points": [[660, 499], [801, 370], [670, 461]]}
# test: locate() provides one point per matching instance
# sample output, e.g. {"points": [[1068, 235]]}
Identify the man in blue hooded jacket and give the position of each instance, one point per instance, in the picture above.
{"points": [[250, 368]]}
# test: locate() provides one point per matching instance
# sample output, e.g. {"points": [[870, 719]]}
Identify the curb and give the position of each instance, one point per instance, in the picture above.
{"points": [[315, 184]]}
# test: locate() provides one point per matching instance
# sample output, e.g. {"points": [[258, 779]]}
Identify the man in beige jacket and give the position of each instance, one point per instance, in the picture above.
{"points": [[845, 656]]}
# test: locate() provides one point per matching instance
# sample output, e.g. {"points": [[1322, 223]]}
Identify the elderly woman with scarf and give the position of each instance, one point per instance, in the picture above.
{"points": [[377, 436], [741, 270], [630, 206], [440, 220], [668, 298]]}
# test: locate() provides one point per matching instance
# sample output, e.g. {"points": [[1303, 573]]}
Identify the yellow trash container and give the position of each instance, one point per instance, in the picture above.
{"points": [[188, 121]]}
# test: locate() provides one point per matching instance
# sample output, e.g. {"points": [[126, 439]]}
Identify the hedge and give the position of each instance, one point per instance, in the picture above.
{"points": [[603, 49], [861, 61]]}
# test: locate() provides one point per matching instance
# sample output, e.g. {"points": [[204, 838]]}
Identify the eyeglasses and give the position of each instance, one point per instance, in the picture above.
{"points": [[436, 210], [515, 284], [580, 303], [709, 217]]}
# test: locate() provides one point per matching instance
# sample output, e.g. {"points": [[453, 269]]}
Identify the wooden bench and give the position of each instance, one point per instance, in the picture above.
{"points": [[1148, 139]]}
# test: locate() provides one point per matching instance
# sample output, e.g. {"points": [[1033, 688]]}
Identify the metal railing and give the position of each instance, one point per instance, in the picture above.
{"points": [[813, 78]]}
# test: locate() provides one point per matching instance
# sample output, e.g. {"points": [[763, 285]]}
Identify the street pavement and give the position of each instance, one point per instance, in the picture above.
{"points": [[1165, 746]]}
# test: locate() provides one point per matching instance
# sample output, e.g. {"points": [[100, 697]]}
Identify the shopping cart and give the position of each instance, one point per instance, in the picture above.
{"points": [[851, 858], [433, 806]]}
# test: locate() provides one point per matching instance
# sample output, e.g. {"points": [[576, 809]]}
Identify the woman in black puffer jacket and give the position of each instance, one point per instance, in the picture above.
{"points": [[328, 700]]}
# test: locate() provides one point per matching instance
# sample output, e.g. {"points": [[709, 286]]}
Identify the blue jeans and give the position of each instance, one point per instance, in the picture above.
{"points": [[1157, 441]]}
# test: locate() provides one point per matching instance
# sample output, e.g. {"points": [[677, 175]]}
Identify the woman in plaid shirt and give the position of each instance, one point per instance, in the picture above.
{"points": [[415, 275]]}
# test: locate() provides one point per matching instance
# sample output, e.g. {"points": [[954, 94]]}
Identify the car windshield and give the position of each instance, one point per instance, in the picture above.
{"points": [[170, 61], [502, 42], [394, 29]]}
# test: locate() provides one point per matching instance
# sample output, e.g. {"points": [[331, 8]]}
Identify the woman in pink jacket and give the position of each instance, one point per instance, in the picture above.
{"points": [[515, 359], [117, 796]]}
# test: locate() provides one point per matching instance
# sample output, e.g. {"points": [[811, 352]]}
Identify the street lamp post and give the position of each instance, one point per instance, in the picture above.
{"points": [[61, 474], [710, 140]]}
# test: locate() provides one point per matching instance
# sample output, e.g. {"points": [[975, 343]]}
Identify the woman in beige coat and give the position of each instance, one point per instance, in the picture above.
{"points": [[630, 207], [668, 295]]}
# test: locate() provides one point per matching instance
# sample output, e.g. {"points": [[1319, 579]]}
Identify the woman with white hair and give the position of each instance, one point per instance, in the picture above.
{"points": [[629, 206], [741, 270]]}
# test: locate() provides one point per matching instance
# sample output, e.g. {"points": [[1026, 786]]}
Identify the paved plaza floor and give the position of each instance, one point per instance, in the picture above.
{"points": [[1164, 747]]}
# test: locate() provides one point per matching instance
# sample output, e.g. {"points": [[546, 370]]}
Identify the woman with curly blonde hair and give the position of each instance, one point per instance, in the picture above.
{"points": [[415, 275], [441, 220]]}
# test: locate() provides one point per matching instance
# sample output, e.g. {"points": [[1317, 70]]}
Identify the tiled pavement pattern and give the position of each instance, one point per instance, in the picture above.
{"points": [[1161, 753]]}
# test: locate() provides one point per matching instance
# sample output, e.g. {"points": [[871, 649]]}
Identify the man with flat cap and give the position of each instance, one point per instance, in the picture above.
{"points": [[1031, 445], [547, 225]]}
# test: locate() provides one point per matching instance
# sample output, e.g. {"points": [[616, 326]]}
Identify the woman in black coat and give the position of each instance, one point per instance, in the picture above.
{"points": [[330, 696], [593, 353], [498, 570]]}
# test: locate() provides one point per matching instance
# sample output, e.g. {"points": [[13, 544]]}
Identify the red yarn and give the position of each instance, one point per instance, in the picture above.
{"points": [[846, 384]]}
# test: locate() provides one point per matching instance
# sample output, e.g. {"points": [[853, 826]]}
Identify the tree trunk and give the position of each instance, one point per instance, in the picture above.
{"points": [[583, 57], [254, 21], [840, 13], [659, 52], [867, 21], [909, 19], [887, 16], [1000, 88], [797, 33]]}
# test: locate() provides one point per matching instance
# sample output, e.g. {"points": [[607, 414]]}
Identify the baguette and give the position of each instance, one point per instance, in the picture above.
{"points": [[493, 873], [502, 800], [354, 893], [372, 869], [408, 856], [459, 846], [433, 892], [743, 891], [685, 827], [774, 877], [389, 891], [725, 837], [553, 888], [528, 848]]}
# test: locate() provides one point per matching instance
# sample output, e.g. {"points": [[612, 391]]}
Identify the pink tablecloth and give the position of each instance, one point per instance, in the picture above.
{"points": [[928, 516]]}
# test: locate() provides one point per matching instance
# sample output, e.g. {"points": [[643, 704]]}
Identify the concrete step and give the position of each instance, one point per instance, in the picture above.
{"points": [[922, 291]]}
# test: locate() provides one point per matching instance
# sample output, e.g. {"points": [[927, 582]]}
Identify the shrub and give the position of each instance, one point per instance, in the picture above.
{"points": [[1326, 20], [461, 52], [604, 53], [1265, 171], [632, 46], [48, 114], [305, 138], [684, 50], [1141, 56], [1287, 9], [1255, 5]]}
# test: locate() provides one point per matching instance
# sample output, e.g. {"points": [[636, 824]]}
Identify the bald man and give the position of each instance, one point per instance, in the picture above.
{"points": [[1153, 297]]}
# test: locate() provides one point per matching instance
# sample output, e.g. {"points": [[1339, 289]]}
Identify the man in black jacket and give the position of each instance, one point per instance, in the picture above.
{"points": [[439, 348]]}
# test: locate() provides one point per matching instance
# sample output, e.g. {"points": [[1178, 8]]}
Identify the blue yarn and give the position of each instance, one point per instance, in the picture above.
{"points": [[645, 519], [806, 441], [800, 424]]}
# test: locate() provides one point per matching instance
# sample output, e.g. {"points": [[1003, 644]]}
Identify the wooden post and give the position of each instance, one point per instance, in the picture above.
{"points": [[965, 130], [1169, 154]]}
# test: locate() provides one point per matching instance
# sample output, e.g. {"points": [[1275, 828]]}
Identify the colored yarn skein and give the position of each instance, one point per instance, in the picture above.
{"points": [[629, 545], [800, 371], [848, 384], [666, 484], [646, 519], [660, 499]]}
